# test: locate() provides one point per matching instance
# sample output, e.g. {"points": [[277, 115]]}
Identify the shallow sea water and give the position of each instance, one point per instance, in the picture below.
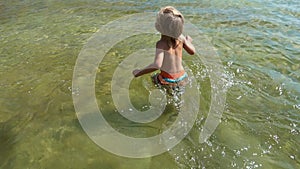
{"points": [[258, 43]]}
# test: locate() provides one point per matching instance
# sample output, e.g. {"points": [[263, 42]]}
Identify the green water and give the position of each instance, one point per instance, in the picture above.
{"points": [[257, 41]]}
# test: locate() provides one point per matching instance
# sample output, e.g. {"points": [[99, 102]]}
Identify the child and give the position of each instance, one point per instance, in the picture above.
{"points": [[168, 56]]}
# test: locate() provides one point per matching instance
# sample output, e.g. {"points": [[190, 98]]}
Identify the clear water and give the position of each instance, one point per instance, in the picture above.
{"points": [[257, 41]]}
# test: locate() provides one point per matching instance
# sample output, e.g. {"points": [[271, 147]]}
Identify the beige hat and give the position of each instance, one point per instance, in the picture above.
{"points": [[169, 22]]}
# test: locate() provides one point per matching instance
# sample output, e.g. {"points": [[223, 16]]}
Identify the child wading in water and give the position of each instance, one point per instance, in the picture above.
{"points": [[168, 56]]}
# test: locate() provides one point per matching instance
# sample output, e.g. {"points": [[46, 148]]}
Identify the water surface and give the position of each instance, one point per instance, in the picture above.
{"points": [[258, 43]]}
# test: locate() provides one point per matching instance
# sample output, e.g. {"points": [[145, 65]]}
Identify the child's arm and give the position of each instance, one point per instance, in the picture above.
{"points": [[187, 44], [139, 72], [156, 65]]}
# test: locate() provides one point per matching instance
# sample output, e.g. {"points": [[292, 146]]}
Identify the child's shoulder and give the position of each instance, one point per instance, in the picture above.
{"points": [[161, 44]]}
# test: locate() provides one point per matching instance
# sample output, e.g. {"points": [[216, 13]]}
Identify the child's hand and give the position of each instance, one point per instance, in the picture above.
{"points": [[188, 46], [135, 72], [188, 38]]}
